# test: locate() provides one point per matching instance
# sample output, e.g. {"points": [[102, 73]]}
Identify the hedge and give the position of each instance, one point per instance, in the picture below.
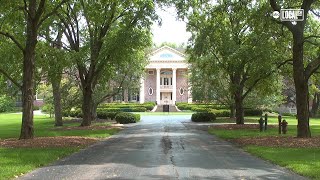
{"points": [[253, 112], [125, 118], [203, 117]]}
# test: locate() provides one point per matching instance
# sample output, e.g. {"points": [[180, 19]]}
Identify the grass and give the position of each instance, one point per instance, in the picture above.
{"points": [[304, 161], [17, 161], [292, 129], [10, 125], [14, 161]]}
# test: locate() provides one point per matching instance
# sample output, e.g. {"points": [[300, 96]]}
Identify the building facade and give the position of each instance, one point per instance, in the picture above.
{"points": [[166, 78]]}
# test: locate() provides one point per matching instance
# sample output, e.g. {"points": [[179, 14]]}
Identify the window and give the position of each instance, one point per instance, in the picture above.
{"points": [[150, 72], [181, 91], [150, 91], [134, 97], [166, 81]]}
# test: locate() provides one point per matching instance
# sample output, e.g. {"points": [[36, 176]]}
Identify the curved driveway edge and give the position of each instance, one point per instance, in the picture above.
{"points": [[161, 147]]}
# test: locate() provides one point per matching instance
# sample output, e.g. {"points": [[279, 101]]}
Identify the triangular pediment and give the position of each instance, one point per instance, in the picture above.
{"points": [[166, 53]]}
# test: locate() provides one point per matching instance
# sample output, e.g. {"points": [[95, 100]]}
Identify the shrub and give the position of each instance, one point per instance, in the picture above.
{"points": [[6, 103], [65, 113], [200, 109], [253, 112], [221, 113], [287, 114], [137, 117], [203, 117], [47, 108], [35, 108], [76, 113], [125, 118], [106, 115]]}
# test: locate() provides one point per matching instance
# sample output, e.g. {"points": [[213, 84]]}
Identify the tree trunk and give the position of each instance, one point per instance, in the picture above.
{"points": [[301, 86], [94, 111], [27, 96], [232, 111], [315, 105], [239, 107], [87, 106], [57, 101], [28, 81]]}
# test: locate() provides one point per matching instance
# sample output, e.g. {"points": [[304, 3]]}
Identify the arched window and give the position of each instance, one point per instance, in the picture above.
{"points": [[150, 91], [181, 91]]}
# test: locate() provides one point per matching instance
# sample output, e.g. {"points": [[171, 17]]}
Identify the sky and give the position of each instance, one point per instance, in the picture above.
{"points": [[171, 30]]}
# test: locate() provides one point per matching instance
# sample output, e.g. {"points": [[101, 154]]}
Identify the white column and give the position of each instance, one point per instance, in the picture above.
{"points": [[174, 85], [158, 86], [141, 91]]}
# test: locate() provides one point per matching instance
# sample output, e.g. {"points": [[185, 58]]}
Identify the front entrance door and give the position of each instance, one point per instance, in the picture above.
{"points": [[166, 98]]}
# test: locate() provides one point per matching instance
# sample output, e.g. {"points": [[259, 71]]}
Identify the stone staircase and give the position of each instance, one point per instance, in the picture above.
{"points": [[172, 108]]}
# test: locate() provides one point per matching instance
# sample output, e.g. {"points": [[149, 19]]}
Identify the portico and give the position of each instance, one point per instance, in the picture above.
{"points": [[166, 79]]}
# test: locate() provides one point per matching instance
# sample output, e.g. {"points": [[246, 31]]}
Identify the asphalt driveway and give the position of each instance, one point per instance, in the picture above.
{"points": [[162, 147]]}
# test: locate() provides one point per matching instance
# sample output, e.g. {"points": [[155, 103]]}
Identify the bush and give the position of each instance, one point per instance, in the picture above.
{"points": [[35, 108], [200, 109], [47, 108], [125, 118], [6, 103], [137, 117], [253, 112], [221, 113], [76, 113], [203, 117], [106, 115], [287, 114]]}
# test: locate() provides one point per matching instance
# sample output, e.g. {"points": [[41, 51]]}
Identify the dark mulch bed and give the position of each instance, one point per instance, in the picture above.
{"points": [[63, 141], [240, 126], [279, 141], [93, 127], [79, 120]]}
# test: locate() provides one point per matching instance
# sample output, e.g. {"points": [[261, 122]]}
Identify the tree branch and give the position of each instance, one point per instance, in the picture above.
{"points": [[315, 13], [275, 7], [312, 67], [265, 76], [13, 39], [10, 78], [52, 12]]}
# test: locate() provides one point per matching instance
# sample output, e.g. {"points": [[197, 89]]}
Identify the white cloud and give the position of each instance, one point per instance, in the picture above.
{"points": [[171, 30]]}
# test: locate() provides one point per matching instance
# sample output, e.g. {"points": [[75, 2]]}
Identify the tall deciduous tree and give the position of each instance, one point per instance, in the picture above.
{"points": [[229, 36], [21, 21], [109, 31], [302, 68]]}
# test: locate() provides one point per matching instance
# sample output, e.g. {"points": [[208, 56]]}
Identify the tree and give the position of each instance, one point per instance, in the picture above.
{"points": [[53, 62], [21, 21], [302, 68], [229, 37], [112, 30]]}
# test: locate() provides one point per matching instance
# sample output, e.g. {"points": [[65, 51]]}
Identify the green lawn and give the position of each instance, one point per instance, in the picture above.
{"points": [[14, 161], [43, 125], [305, 161]]}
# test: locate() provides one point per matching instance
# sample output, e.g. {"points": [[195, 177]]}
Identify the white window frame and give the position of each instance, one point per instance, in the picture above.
{"points": [[182, 91], [150, 94]]}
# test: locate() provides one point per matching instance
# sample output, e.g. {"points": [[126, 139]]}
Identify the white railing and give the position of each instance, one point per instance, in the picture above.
{"points": [[165, 86]]}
